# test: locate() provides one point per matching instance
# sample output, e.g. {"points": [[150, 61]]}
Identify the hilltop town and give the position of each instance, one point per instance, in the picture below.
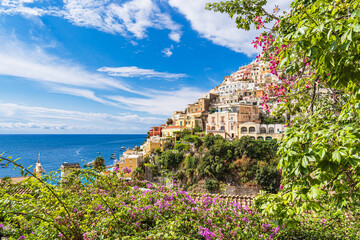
{"points": [[231, 110]]}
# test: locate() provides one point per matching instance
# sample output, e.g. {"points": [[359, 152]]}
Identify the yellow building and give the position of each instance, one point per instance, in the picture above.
{"points": [[152, 143], [130, 160], [171, 131]]}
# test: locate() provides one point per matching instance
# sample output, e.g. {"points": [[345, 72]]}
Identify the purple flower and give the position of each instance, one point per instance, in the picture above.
{"points": [[206, 233], [1, 226], [245, 219], [75, 210], [60, 235], [22, 237], [126, 170]]}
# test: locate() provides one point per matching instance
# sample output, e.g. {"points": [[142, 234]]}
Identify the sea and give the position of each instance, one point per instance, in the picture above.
{"points": [[57, 149]]}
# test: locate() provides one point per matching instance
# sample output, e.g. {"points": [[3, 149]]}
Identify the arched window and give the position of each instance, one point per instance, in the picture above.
{"points": [[262, 130], [212, 128], [251, 130], [222, 128], [243, 130], [268, 138], [271, 130], [260, 138]]}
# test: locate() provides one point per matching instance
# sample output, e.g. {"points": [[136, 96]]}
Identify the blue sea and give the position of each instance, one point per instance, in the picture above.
{"points": [[56, 149]]}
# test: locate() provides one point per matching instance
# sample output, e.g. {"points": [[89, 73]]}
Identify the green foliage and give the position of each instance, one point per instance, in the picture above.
{"points": [[184, 133], [191, 162], [197, 127], [193, 139], [211, 185], [99, 164], [169, 121], [255, 149], [170, 160], [316, 48], [168, 146], [158, 151], [269, 178], [182, 147]]}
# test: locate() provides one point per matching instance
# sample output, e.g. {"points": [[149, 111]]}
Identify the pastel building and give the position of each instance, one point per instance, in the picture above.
{"points": [[130, 159], [172, 131], [226, 120], [261, 131], [156, 131], [152, 143]]}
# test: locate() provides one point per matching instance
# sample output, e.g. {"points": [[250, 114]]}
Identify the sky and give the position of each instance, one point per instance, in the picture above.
{"points": [[111, 66]]}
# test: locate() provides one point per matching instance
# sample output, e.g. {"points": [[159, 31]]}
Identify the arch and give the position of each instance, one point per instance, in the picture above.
{"points": [[252, 130], [212, 128], [262, 130], [268, 138], [243, 130], [271, 130], [222, 128], [253, 138], [260, 138]]}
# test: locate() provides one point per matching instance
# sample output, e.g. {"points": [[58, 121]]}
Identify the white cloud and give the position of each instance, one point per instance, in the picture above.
{"points": [[161, 102], [167, 51], [175, 36], [21, 117], [218, 27], [81, 93], [131, 18], [33, 63], [139, 72]]}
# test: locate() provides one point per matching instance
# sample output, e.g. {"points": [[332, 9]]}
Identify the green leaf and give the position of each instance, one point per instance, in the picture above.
{"points": [[336, 156], [356, 28]]}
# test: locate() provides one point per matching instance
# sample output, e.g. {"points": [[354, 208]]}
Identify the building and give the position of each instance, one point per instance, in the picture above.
{"points": [[156, 131], [261, 131], [172, 131], [130, 160], [226, 120], [152, 143], [202, 104]]}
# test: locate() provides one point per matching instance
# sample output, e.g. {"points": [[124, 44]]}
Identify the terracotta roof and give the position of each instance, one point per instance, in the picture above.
{"points": [[198, 112], [169, 127]]}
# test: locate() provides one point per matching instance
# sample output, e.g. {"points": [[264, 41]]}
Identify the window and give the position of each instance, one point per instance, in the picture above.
{"points": [[212, 128], [262, 130], [232, 127], [271, 130], [222, 119], [243, 130], [251, 130], [213, 120], [222, 128]]}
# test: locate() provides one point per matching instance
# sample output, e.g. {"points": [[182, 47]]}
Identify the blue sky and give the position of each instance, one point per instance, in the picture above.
{"points": [[102, 66]]}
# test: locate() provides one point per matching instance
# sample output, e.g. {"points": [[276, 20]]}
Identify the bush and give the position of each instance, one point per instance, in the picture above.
{"points": [[211, 185], [269, 178], [182, 147]]}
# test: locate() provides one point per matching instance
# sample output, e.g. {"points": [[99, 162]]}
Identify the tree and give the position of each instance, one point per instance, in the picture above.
{"points": [[169, 122], [314, 51], [99, 164]]}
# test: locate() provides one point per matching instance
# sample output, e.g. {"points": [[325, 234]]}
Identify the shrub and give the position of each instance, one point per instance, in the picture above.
{"points": [[269, 178], [211, 185]]}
